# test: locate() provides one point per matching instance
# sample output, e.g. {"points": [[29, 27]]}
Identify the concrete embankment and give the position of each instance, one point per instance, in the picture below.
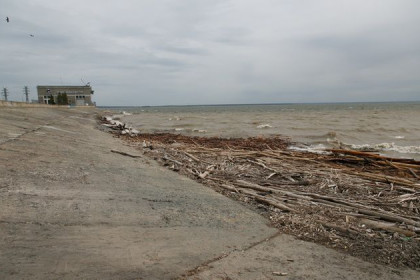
{"points": [[69, 208], [4, 103], [72, 209]]}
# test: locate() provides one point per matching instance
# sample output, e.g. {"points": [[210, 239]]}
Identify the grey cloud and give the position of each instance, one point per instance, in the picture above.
{"points": [[365, 49], [184, 50], [234, 51]]}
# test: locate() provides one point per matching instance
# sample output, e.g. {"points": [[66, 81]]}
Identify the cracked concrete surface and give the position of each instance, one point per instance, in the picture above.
{"points": [[71, 209]]}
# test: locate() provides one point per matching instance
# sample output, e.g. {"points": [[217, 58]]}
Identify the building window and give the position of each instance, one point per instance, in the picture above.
{"points": [[46, 99]]}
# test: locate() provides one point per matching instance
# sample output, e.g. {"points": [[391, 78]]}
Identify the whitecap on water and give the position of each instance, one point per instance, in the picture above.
{"points": [[316, 149], [388, 147], [199, 130], [399, 137], [266, 125]]}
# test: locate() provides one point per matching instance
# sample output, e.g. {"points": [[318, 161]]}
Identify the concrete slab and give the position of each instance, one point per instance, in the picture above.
{"points": [[71, 209], [284, 257]]}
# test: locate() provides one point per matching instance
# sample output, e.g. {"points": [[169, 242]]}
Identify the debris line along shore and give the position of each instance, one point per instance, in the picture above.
{"points": [[362, 203]]}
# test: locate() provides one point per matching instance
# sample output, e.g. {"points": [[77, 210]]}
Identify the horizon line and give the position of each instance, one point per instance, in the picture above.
{"points": [[260, 104]]}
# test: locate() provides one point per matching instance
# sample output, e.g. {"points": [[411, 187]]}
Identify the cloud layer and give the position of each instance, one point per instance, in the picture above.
{"points": [[214, 52]]}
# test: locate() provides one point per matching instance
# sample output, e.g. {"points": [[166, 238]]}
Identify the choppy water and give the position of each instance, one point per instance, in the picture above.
{"points": [[391, 128]]}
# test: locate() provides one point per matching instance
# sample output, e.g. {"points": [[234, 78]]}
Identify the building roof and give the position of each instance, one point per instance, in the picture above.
{"points": [[63, 86]]}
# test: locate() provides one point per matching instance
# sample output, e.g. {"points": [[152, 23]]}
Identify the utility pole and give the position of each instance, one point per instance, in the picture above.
{"points": [[26, 91], [5, 93]]}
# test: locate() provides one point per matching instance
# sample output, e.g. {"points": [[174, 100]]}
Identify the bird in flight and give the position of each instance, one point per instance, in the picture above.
{"points": [[7, 19]]}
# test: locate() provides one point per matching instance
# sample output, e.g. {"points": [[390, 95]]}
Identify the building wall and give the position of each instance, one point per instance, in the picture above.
{"points": [[77, 95]]}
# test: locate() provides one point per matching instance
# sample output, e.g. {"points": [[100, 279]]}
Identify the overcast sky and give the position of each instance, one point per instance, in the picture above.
{"points": [[174, 52]]}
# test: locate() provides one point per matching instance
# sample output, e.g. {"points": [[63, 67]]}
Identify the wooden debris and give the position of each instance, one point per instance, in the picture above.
{"points": [[388, 179], [276, 273], [204, 174], [374, 156], [391, 227], [191, 156], [165, 157], [125, 154], [346, 199], [339, 228]]}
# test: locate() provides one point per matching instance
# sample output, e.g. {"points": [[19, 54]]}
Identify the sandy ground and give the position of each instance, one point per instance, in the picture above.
{"points": [[72, 209]]}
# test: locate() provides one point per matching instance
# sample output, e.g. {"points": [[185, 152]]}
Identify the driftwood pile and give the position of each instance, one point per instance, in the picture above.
{"points": [[363, 203]]}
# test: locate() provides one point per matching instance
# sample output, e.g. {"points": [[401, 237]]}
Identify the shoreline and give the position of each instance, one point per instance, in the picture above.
{"points": [[352, 196], [388, 129]]}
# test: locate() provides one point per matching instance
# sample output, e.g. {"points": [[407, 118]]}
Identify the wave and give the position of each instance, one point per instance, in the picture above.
{"points": [[388, 147], [199, 130], [178, 129], [385, 129], [385, 148], [362, 130], [121, 115], [328, 135], [266, 125], [316, 149]]}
